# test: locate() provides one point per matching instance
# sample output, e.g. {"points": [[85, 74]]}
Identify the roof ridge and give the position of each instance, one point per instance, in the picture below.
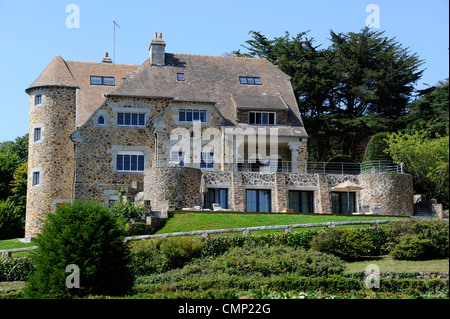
{"points": [[219, 56], [102, 63]]}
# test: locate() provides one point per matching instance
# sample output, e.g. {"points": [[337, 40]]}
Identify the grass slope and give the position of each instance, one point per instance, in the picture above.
{"points": [[184, 222]]}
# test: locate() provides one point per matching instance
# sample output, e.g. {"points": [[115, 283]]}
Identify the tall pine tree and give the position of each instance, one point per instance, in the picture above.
{"points": [[356, 87]]}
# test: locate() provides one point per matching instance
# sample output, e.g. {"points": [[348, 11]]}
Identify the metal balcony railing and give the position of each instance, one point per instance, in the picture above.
{"points": [[274, 166]]}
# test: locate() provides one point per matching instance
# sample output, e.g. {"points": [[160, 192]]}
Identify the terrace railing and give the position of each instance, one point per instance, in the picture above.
{"points": [[274, 166]]}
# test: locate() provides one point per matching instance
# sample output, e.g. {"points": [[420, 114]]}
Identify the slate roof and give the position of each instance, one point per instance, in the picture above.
{"points": [[213, 79], [56, 73], [216, 79], [77, 74]]}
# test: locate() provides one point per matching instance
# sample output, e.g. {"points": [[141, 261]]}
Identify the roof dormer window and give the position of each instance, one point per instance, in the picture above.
{"points": [[103, 80], [262, 118], [250, 80]]}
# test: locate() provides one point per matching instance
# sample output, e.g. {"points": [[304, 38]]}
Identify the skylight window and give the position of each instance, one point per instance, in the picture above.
{"points": [[250, 80], [180, 76]]}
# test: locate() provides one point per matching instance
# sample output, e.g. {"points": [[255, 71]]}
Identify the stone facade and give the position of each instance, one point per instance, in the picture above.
{"points": [[172, 188], [52, 156], [392, 193], [82, 140]]}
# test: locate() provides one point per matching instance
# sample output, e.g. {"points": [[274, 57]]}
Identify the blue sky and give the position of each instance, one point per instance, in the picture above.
{"points": [[32, 33]]}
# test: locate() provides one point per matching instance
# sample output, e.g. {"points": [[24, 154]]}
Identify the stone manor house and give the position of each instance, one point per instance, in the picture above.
{"points": [[166, 128]]}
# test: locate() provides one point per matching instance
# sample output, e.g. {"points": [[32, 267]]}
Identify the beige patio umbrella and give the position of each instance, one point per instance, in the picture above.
{"points": [[203, 190], [347, 186]]}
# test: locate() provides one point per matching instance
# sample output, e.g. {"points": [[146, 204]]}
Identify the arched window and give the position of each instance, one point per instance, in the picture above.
{"points": [[101, 120]]}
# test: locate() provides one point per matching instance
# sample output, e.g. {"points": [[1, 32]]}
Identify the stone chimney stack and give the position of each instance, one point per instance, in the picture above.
{"points": [[157, 50]]}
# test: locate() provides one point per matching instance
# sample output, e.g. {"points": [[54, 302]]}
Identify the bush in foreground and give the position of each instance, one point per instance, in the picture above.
{"points": [[87, 235], [277, 260], [346, 243], [159, 255], [16, 269]]}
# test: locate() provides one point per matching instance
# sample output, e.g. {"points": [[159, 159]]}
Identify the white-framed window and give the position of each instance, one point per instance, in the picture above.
{"points": [[262, 118], [37, 134], [101, 120], [207, 160], [37, 99], [103, 80], [130, 119], [190, 115], [177, 158], [36, 179], [130, 162]]}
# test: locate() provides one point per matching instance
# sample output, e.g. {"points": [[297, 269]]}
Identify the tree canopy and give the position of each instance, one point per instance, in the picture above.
{"points": [[358, 86]]}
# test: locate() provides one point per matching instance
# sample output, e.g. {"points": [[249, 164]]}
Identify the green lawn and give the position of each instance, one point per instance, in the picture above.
{"points": [[387, 263], [184, 222], [15, 243]]}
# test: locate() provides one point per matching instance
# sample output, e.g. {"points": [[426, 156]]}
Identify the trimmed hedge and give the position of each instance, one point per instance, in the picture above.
{"points": [[16, 269], [160, 255], [410, 240], [217, 245], [291, 282]]}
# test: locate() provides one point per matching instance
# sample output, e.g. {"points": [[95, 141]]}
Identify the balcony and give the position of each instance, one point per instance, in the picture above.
{"points": [[274, 166]]}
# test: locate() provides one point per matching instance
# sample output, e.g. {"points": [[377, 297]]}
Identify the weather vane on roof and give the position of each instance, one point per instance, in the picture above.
{"points": [[114, 49]]}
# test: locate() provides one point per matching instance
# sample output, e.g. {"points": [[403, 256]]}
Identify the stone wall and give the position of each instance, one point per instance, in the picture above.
{"points": [[98, 145], [393, 193], [172, 186], [52, 156]]}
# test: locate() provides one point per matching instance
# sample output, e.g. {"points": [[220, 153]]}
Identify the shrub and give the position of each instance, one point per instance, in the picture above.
{"points": [[412, 247], [16, 269], [11, 220], [346, 243], [158, 255], [375, 150], [378, 239], [137, 228], [431, 237], [318, 264], [125, 210], [87, 235], [217, 245], [276, 260]]}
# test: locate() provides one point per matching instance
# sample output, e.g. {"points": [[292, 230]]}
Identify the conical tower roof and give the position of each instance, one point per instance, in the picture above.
{"points": [[56, 73]]}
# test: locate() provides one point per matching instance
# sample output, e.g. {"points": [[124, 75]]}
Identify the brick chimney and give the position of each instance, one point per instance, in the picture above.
{"points": [[157, 50]]}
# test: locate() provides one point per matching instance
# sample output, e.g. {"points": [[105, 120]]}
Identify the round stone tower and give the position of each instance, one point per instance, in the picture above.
{"points": [[172, 187], [50, 151]]}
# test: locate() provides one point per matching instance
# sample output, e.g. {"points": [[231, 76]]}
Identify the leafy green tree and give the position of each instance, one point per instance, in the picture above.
{"points": [[356, 87], [19, 186], [87, 235], [426, 159], [8, 164], [430, 112], [12, 221], [19, 147]]}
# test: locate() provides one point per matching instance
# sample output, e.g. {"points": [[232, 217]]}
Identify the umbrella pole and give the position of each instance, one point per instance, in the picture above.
{"points": [[348, 202]]}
